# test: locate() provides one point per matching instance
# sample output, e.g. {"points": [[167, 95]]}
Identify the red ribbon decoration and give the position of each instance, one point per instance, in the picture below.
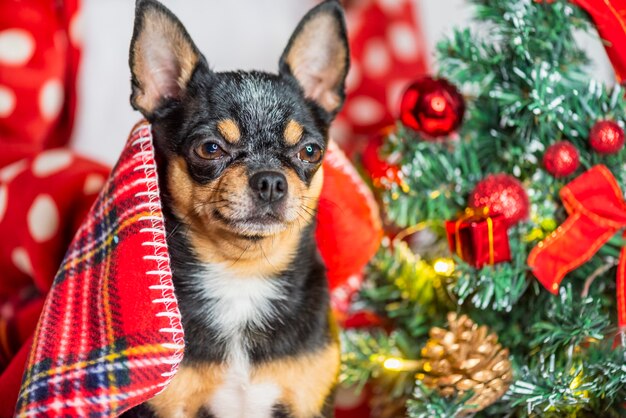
{"points": [[610, 19], [597, 211]]}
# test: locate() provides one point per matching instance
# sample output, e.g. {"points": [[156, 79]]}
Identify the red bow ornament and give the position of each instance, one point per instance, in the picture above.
{"points": [[597, 211]]}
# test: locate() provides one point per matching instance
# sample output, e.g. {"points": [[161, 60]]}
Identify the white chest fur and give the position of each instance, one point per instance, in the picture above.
{"points": [[238, 302]]}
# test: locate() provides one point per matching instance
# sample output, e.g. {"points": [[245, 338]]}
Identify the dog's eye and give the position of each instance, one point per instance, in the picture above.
{"points": [[210, 151], [311, 154]]}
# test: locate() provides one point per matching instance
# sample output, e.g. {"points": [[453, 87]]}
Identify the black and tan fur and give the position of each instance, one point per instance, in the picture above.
{"points": [[246, 218]]}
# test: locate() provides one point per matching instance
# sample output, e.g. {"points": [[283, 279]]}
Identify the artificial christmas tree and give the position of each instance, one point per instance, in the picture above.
{"points": [[560, 343]]}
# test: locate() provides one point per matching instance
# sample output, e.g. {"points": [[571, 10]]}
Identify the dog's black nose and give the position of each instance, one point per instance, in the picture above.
{"points": [[271, 186]]}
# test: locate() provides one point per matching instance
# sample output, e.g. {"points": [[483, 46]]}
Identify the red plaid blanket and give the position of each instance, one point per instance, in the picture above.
{"points": [[110, 336]]}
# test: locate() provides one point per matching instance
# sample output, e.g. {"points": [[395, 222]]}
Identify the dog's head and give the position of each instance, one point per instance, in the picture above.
{"points": [[242, 150]]}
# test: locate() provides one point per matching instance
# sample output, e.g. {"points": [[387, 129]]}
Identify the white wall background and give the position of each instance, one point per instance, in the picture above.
{"points": [[233, 34]]}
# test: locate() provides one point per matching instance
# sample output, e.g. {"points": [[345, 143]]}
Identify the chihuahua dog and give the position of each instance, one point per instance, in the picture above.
{"points": [[239, 157]]}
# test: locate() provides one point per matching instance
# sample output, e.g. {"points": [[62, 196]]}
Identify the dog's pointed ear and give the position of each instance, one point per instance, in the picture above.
{"points": [[162, 57], [318, 56]]}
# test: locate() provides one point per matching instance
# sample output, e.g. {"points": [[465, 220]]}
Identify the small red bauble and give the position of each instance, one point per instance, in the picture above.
{"points": [[382, 173], [432, 106], [606, 137], [503, 195], [561, 159]]}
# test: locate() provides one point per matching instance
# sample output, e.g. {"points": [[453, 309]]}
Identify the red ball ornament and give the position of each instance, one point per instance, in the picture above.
{"points": [[561, 159], [503, 195], [382, 173], [432, 106], [606, 137]]}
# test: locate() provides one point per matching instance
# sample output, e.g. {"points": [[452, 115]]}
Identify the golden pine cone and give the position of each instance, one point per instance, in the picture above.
{"points": [[466, 357]]}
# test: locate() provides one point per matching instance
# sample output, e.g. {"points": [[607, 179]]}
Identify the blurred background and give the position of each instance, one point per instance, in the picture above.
{"points": [[245, 34], [393, 43]]}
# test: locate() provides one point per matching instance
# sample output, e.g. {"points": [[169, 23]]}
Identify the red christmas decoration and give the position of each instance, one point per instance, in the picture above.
{"points": [[352, 404], [432, 106], [380, 171], [40, 60], [606, 137], [561, 159], [362, 319], [503, 195], [597, 212], [348, 219], [479, 239]]}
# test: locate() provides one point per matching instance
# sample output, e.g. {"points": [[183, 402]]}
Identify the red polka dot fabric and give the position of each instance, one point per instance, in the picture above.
{"points": [[39, 55], [387, 53], [45, 190], [43, 200]]}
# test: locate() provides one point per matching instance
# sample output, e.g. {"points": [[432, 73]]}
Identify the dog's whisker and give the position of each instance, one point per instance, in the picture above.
{"points": [[309, 211], [180, 223], [196, 210], [242, 253], [326, 200], [265, 255], [301, 216]]}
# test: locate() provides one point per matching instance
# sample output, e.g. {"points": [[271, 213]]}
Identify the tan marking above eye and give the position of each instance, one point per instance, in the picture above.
{"points": [[229, 130], [293, 132]]}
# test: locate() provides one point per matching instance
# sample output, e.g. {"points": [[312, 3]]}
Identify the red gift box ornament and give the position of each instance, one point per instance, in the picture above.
{"points": [[478, 238], [597, 211]]}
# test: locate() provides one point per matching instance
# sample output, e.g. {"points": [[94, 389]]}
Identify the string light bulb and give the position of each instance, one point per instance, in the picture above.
{"points": [[444, 266], [400, 365], [576, 383]]}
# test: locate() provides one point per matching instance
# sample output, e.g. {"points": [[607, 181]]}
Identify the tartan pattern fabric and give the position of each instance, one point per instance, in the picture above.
{"points": [[110, 335]]}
